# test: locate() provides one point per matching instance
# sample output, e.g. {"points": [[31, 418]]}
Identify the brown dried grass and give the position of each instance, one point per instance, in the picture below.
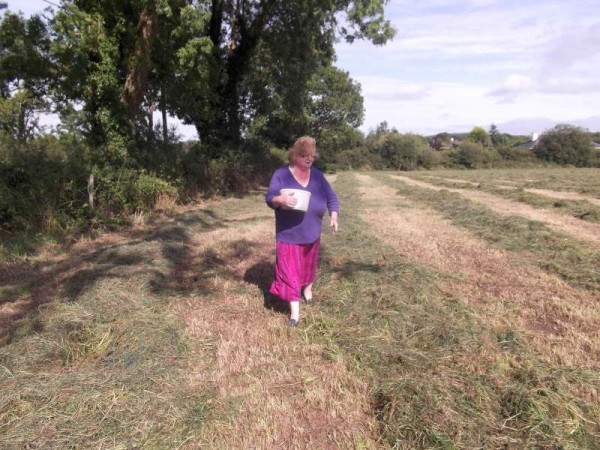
{"points": [[564, 195], [589, 232], [563, 323], [274, 388]]}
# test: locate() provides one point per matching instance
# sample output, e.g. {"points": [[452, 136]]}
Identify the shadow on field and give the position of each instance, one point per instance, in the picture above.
{"points": [[261, 275], [350, 269], [162, 257]]}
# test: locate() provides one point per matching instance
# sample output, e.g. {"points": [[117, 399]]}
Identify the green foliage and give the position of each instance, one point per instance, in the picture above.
{"points": [[334, 140], [25, 69], [595, 159], [355, 158], [334, 99], [42, 185], [565, 144], [401, 151], [479, 136], [472, 155], [516, 154], [127, 190]]}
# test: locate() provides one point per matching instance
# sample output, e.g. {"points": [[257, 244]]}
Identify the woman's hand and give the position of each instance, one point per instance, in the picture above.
{"points": [[333, 221], [285, 201]]}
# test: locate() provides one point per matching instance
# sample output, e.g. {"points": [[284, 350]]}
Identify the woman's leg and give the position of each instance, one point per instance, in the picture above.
{"points": [[295, 310], [311, 259], [308, 291]]}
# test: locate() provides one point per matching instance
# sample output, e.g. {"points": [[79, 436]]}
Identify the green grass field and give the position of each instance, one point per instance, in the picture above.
{"points": [[452, 311]]}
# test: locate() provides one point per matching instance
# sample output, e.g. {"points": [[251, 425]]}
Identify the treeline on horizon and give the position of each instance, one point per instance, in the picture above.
{"points": [[249, 76]]}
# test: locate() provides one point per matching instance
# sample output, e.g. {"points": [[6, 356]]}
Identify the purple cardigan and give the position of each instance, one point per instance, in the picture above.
{"points": [[299, 227]]}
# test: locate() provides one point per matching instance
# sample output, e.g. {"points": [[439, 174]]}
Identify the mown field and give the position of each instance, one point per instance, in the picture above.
{"points": [[453, 310]]}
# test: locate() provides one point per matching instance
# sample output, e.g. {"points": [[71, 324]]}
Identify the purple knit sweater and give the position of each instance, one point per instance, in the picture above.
{"points": [[299, 227]]}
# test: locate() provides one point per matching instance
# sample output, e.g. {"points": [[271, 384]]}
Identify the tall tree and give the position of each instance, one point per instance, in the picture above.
{"points": [[25, 69], [111, 61], [282, 43], [480, 136]]}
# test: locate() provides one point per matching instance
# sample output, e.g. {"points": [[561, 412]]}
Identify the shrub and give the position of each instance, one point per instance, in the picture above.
{"points": [[565, 144], [355, 158], [472, 155], [516, 154], [403, 151], [596, 158]]}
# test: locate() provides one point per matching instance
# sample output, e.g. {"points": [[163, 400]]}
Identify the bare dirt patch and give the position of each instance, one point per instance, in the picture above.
{"points": [[562, 322], [564, 224]]}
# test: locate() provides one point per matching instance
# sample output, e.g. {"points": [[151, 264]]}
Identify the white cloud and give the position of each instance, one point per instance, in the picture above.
{"points": [[390, 90], [477, 62], [572, 47], [513, 85]]}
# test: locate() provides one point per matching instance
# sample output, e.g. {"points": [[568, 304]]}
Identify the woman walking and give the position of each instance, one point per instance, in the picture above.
{"points": [[298, 232]]}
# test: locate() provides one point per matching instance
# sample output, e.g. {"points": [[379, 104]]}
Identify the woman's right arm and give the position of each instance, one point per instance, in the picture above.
{"points": [[273, 198], [276, 200]]}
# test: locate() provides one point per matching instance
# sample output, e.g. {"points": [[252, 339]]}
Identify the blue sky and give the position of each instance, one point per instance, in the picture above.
{"points": [[455, 64]]}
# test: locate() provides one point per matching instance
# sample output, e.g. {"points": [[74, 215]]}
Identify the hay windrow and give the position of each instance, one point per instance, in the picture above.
{"points": [[587, 231], [564, 195], [499, 281]]}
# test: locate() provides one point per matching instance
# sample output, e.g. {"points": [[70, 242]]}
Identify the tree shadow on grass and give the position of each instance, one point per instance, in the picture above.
{"points": [[26, 287], [261, 275], [163, 257]]}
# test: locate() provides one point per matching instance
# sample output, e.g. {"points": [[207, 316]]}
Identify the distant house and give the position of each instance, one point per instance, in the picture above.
{"points": [[530, 145], [441, 143]]}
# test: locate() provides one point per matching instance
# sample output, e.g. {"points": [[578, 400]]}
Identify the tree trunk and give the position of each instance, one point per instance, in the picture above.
{"points": [[163, 104], [150, 130], [139, 63], [90, 189]]}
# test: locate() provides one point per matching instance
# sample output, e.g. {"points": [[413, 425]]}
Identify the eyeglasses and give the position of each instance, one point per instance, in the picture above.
{"points": [[309, 156]]}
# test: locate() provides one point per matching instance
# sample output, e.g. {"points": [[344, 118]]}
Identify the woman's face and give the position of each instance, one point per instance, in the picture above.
{"points": [[306, 160]]}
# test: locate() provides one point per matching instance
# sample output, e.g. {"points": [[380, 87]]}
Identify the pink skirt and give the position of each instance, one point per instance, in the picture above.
{"points": [[295, 267]]}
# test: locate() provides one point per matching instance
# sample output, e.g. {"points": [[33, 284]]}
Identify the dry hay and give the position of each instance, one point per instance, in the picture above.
{"points": [[456, 180], [562, 322], [564, 224], [274, 389], [564, 195]]}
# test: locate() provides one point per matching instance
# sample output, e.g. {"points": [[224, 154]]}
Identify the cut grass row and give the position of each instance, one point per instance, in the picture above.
{"points": [[581, 209], [580, 180], [442, 377], [102, 362], [574, 261]]}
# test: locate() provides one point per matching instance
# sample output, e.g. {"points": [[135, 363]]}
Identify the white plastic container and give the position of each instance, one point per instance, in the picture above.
{"points": [[302, 196]]}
